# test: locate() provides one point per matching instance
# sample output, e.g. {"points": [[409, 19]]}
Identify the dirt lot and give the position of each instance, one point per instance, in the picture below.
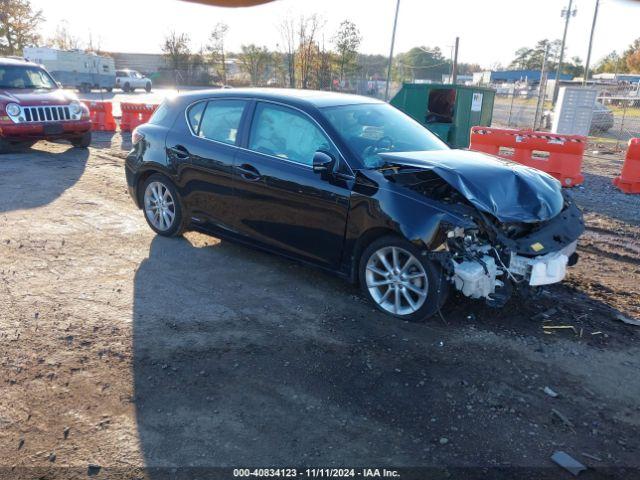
{"points": [[122, 350]]}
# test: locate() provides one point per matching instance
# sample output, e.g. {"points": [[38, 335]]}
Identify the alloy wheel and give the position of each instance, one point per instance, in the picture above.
{"points": [[159, 206], [396, 280]]}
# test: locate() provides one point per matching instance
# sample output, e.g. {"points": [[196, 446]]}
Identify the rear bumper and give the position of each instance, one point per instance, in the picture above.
{"points": [[131, 184], [36, 131]]}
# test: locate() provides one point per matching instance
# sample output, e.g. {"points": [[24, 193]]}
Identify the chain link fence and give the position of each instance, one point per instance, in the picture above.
{"points": [[515, 106], [619, 114], [616, 115]]}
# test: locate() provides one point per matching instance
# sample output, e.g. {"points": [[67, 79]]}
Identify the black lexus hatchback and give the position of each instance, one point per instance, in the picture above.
{"points": [[354, 186]]}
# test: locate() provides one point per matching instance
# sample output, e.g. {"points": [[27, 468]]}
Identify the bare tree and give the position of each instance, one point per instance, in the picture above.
{"points": [[215, 49], [18, 26], [347, 40], [254, 60], [288, 34], [307, 54], [325, 70], [63, 39], [176, 49]]}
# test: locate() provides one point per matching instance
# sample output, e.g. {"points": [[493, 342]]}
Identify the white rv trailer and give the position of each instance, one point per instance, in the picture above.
{"points": [[75, 68]]}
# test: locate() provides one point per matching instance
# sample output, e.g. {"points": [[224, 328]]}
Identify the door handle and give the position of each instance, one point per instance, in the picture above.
{"points": [[248, 172], [180, 152]]}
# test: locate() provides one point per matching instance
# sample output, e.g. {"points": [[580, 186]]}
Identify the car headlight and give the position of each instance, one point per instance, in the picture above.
{"points": [[12, 109], [75, 108]]}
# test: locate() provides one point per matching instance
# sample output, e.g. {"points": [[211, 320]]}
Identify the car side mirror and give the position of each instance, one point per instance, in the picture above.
{"points": [[323, 162]]}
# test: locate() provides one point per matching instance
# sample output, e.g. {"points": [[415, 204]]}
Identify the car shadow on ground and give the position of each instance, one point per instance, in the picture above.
{"points": [[32, 178], [243, 358]]}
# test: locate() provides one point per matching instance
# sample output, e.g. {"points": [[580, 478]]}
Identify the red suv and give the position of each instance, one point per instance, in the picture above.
{"points": [[33, 107]]}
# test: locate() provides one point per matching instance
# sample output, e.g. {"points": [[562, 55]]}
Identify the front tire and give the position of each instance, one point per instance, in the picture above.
{"points": [[147, 87], [82, 141], [162, 206], [401, 281]]}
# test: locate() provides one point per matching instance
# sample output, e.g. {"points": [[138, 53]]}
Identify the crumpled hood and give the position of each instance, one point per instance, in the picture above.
{"points": [[25, 96], [508, 191]]}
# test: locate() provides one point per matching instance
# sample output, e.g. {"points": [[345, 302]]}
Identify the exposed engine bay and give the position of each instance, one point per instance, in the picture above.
{"points": [[490, 261], [521, 229]]}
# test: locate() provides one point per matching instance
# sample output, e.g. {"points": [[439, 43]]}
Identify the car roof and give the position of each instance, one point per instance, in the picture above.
{"points": [[290, 96], [17, 61]]}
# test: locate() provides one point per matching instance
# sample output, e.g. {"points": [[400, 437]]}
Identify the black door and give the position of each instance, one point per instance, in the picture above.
{"points": [[208, 140], [281, 202]]}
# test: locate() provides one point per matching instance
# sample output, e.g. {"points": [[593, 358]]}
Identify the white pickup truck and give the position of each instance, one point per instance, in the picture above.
{"points": [[129, 80]]}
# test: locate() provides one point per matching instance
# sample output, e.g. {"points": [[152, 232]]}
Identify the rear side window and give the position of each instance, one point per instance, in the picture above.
{"points": [[194, 115], [221, 120], [160, 114]]}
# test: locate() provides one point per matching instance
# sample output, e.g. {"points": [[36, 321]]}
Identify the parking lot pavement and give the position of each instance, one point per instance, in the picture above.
{"points": [[175, 353]]}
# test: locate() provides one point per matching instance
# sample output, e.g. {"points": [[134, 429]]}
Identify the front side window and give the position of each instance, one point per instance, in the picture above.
{"points": [[286, 133], [221, 120], [371, 129], [15, 76]]}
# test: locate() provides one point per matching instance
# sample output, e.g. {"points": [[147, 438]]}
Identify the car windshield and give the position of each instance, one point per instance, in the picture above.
{"points": [[372, 129], [17, 76]]}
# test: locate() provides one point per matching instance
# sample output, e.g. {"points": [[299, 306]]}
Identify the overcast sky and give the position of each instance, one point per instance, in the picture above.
{"points": [[489, 30]]}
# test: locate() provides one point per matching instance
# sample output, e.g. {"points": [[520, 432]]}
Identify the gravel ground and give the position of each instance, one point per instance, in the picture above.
{"points": [[127, 355]]}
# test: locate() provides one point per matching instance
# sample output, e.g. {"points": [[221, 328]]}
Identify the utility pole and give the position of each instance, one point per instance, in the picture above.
{"points": [[454, 69], [567, 14], [593, 29], [393, 41], [542, 89]]}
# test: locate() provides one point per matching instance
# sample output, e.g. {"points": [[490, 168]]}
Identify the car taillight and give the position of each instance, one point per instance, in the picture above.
{"points": [[136, 136]]}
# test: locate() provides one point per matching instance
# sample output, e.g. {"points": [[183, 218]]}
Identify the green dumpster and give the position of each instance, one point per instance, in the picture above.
{"points": [[449, 111]]}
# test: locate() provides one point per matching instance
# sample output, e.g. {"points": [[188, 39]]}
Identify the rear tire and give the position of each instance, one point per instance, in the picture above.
{"points": [[82, 141], [126, 88], [405, 284], [162, 206]]}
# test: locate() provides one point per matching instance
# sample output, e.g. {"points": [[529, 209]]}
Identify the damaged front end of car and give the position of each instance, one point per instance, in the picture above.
{"points": [[489, 261], [520, 228]]}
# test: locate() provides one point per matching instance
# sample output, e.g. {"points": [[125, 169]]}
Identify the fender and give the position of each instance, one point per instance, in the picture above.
{"points": [[378, 208]]}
